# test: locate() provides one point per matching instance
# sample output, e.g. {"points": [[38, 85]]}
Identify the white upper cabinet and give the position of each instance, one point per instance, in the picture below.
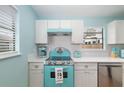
{"points": [[74, 26], [77, 31], [41, 32], [66, 24], [53, 24], [115, 32], [59, 24]]}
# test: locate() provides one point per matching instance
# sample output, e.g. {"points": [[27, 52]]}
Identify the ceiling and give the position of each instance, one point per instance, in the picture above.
{"points": [[55, 11]]}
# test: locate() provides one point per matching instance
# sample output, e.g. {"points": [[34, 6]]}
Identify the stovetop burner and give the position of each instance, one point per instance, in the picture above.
{"points": [[59, 62]]}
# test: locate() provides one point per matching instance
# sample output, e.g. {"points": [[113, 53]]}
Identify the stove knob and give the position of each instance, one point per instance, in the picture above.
{"points": [[48, 62], [63, 62], [53, 63], [68, 62]]}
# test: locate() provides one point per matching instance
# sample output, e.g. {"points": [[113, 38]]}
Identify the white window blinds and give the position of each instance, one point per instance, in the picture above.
{"points": [[7, 28]]}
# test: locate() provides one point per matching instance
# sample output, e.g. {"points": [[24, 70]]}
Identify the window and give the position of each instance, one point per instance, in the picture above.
{"points": [[8, 16]]}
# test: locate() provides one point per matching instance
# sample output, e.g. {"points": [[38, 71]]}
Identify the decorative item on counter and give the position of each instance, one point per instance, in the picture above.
{"points": [[118, 52], [42, 51], [115, 52], [76, 54], [122, 53]]}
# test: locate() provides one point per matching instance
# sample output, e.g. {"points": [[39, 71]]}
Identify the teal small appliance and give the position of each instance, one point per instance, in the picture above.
{"points": [[76, 54], [59, 58], [116, 52], [122, 53], [42, 51]]}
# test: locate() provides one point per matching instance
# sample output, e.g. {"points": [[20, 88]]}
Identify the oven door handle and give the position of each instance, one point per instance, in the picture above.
{"points": [[110, 65], [65, 68]]}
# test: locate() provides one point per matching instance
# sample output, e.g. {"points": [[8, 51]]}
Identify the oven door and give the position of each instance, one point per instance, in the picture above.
{"points": [[49, 76]]}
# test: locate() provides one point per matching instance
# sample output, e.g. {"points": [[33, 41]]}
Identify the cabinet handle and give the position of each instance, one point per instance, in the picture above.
{"points": [[36, 66], [79, 69], [87, 72], [86, 66]]}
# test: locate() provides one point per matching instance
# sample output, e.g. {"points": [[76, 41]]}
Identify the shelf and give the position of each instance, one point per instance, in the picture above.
{"points": [[92, 38], [92, 32], [93, 46]]}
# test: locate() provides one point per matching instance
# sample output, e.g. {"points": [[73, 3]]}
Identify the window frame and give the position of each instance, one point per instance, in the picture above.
{"points": [[9, 54]]}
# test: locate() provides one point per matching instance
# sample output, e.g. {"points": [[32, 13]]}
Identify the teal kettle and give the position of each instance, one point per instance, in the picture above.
{"points": [[76, 54]]}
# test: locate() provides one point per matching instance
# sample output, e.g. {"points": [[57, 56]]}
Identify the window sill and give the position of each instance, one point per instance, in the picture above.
{"points": [[9, 54]]}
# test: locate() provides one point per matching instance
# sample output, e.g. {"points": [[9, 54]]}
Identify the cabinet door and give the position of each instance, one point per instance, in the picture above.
{"points": [[115, 32], [53, 24], [120, 32], [111, 33], [123, 75], [41, 32], [90, 78], [86, 78], [123, 79], [35, 74], [65, 24], [36, 78], [79, 79], [77, 31]]}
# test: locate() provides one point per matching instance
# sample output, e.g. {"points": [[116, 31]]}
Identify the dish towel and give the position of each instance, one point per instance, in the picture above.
{"points": [[59, 75]]}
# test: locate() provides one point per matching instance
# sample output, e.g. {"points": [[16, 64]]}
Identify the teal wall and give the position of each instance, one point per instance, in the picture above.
{"points": [[13, 71]]}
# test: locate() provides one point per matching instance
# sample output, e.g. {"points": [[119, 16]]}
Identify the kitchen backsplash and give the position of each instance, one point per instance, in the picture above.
{"points": [[65, 41]]}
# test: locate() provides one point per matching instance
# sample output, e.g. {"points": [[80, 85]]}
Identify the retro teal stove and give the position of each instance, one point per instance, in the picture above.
{"points": [[59, 58]]}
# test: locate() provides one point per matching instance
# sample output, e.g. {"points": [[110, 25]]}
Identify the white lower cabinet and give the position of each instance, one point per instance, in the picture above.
{"points": [[86, 75], [35, 75], [123, 75]]}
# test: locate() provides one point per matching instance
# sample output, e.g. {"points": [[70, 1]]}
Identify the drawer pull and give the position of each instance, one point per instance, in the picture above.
{"points": [[36, 66], [86, 72], [86, 66]]}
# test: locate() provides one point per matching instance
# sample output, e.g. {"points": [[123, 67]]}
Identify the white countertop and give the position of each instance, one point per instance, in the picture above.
{"points": [[36, 59], [83, 59], [98, 59]]}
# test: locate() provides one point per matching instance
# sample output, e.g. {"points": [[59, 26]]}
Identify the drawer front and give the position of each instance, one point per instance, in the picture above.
{"points": [[35, 65], [86, 66]]}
